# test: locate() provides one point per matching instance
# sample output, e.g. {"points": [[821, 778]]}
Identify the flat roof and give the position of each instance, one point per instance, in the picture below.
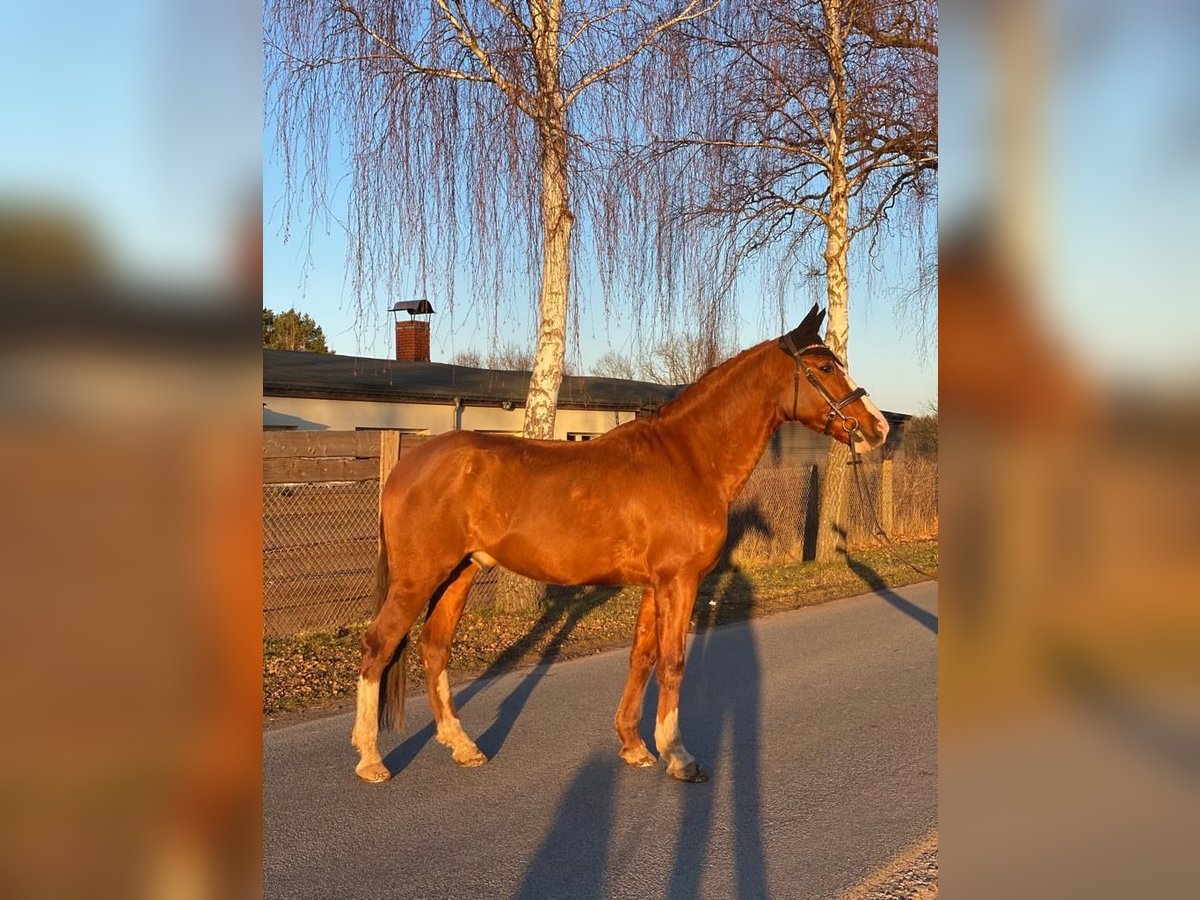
{"points": [[294, 373]]}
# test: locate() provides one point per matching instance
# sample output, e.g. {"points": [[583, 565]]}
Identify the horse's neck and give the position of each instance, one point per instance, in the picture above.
{"points": [[723, 422]]}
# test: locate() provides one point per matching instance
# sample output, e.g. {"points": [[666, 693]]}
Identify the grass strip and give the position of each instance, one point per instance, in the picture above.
{"points": [[320, 668]]}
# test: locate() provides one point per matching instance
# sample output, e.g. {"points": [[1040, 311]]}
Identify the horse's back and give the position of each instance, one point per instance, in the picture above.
{"points": [[465, 465], [483, 475]]}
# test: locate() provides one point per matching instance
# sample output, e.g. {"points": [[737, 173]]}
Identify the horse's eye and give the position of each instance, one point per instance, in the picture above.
{"points": [[827, 368]]}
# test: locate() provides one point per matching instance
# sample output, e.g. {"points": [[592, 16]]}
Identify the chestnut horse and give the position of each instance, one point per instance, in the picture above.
{"points": [[645, 504]]}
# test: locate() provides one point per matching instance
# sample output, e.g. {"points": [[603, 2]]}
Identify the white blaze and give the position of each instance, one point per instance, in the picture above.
{"points": [[880, 422]]}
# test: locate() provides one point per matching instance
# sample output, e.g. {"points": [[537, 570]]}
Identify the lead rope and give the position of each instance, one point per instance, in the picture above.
{"points": [[865, 496]]}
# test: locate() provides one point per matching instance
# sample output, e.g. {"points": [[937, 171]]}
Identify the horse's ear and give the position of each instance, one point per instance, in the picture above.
{"points": [[806, 333], [809, 329]]}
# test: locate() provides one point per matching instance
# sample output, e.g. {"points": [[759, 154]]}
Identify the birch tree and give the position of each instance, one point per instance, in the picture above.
{"points": [[464, 122], [820, 127]]}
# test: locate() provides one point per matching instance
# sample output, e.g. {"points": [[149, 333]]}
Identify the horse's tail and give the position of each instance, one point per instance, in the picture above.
{"points": [[393, 680]]}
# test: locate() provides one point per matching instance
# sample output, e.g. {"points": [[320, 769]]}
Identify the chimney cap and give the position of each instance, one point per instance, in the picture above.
{"points": [[413, 307]]}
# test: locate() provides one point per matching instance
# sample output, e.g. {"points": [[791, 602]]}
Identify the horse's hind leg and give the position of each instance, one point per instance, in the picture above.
{"points": [[436, 636], [641, 662], [408, 593], [673, 605]]}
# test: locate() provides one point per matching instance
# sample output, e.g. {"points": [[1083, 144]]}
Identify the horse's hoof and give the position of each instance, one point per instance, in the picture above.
{"points": [[373, 773], [470, 760], [639, 758], [691, 773]]}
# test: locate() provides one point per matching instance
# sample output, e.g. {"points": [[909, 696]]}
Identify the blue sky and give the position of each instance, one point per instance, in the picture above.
{"points": [[144, 119], [146, 125], [141, 119], [886, 355]]}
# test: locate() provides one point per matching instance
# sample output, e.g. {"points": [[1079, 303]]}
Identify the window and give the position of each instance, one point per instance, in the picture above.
{"points": [[582, 435]]}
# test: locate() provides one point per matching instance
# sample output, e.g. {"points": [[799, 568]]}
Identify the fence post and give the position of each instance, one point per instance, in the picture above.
{"points": [[389, 452], [885, 496]]}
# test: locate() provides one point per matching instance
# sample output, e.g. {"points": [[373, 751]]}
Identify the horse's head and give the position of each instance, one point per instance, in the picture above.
{"points": [[821, 393]]}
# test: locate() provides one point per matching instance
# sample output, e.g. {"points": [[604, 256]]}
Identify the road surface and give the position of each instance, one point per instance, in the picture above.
{"points": [[819, 729]]}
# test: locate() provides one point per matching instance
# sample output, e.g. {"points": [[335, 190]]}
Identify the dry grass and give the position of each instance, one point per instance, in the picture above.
{"points": [[317, 669], [911, 876], [771, 524]]}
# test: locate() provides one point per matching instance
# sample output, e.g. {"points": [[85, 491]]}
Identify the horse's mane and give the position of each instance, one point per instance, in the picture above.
{"points": [[807, 333], [697, 394]]}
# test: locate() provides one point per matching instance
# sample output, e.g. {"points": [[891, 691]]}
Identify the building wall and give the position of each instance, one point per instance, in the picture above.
{"points": [[304, 413]]}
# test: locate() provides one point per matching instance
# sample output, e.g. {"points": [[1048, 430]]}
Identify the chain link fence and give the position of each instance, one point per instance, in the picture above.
{"points": [[774, 519], [319, 540], [319, 552]]}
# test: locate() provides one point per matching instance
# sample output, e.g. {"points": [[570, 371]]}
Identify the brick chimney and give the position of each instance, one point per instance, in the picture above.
{"points": [[412, 334], [412, 341]]}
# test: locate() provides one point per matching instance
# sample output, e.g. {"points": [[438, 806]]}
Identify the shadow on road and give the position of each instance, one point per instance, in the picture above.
{"points": [[877, 584], [721, 705], [571, 604], [573, 860], [565, 607]]}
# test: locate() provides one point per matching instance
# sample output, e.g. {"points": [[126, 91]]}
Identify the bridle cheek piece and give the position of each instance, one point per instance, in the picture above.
{"points": [[836, 407]]}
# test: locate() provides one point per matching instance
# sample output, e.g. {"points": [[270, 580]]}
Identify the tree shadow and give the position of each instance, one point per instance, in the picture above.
{"points": [[877, 584], [811, 518], [564, 609], [721, 703]]}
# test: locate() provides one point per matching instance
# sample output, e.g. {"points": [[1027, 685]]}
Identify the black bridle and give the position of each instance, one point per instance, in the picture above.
{"points": [[836, 406]]}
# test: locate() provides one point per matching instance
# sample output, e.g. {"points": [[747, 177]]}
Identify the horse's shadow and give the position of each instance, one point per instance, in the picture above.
{"points": [[721, 703]]}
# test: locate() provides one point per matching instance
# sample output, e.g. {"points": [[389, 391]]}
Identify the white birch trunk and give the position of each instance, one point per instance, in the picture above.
{"points": [[542, 401], [516, 593], [832, 524]]}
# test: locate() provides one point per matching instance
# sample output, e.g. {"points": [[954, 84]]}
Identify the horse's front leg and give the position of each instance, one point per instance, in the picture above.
{"points": [[641, 661], [673, 608]]}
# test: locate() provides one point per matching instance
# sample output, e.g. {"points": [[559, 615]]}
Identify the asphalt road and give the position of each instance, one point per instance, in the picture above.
{"points": [[819, 728]]}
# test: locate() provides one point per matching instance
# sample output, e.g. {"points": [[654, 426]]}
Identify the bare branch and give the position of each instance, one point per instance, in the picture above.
{"points": [[461, 26], [513, 18], [396, 53], [780, 145], [693, 10], [591, 22], [905, 30]]}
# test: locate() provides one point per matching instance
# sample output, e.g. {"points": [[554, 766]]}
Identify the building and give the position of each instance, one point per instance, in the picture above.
{"points": [[318, 391], [346, 393]]}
